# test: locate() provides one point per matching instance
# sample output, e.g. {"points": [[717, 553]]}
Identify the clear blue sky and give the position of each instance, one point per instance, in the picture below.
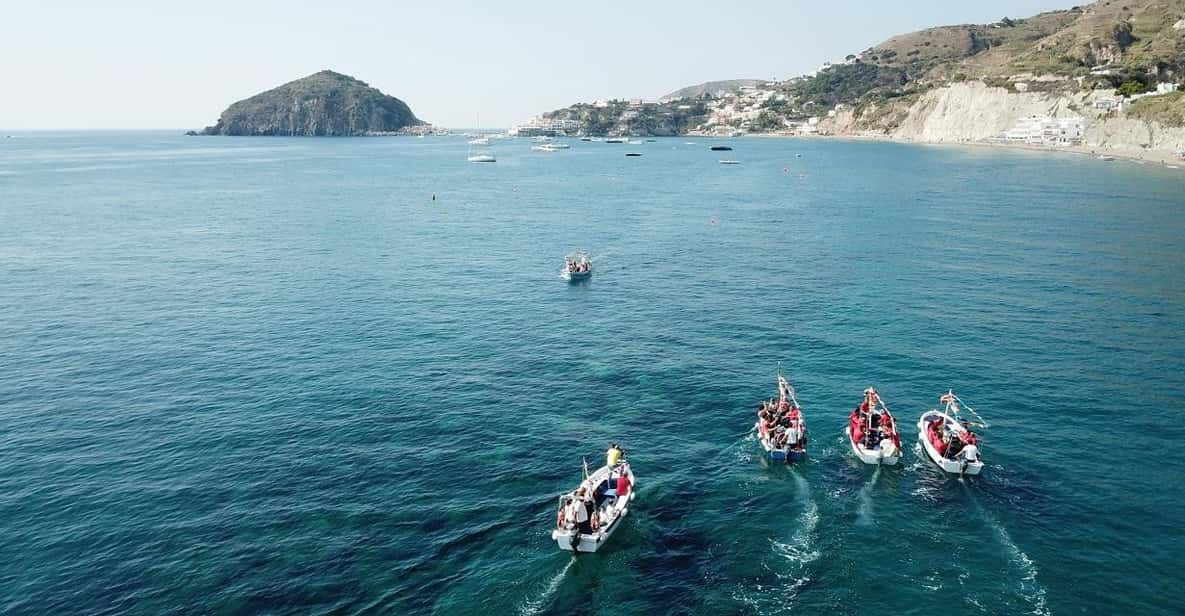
{"points": [[179, 64]]}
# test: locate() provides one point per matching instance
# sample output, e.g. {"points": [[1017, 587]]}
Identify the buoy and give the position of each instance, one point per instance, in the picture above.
{"points": [[433, 196]]}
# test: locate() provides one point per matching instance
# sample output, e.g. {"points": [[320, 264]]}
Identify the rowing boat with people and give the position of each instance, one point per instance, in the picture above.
{"points": [[872, 431], [781, 427], [947, 438], [587, 516]]}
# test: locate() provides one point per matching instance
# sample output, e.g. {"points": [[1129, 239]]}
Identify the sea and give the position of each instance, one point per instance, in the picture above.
{"points": [[344, 376]]}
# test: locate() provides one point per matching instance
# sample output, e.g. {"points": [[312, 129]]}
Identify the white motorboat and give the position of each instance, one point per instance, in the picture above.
{"points": [[577, 266], [635, 142], [947, 438], [482, 157], [614, 140], [546, 147], [781, 427], [480, 141], [872, 431], [559, 145], [729, 161], [589, 515]]}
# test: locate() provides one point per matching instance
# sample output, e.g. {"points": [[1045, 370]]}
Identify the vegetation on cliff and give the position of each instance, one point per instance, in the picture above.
{"points": [[322, 104]]}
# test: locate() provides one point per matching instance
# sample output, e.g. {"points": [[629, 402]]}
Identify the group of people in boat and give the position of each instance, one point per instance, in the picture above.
{"points": [[578, 266], [870, 423], [781, 423], [953, 444], [582, 507]]}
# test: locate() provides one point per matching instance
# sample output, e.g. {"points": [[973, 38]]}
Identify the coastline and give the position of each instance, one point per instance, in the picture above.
{"points": [[1161, 158]]}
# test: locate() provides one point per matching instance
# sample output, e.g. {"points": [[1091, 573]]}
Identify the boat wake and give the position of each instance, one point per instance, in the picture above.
{"points": [[536, 604], [864, 515], [1031, 590], [800, 547]]}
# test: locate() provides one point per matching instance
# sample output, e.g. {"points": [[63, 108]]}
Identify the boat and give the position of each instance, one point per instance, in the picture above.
{"points": [[781, 428], [688, 143], [546, 147], [480, 156], [721, 148], [586, 138], [635, 142], [1106, 157], [604, 496], [614, 140], [872, 431], [729, 161], [947, 438], [577, 266], [651, 140], [559, 145], [633, 153]]}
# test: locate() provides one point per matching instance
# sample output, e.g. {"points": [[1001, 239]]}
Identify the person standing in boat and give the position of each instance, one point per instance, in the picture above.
{"points": [[583, 512], [613, 455]]}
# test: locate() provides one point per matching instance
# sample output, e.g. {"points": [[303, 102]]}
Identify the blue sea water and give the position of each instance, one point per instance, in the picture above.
{"points": [[275, 376]]}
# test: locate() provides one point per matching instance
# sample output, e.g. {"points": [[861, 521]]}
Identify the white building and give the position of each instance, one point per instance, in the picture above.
{"points": [[1044, 130], [541, 126]]}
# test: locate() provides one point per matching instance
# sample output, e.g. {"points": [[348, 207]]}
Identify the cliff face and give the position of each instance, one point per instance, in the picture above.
{"points": [[322, 104], [972, 111]]}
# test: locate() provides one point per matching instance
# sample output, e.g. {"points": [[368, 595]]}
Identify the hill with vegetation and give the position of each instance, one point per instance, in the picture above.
{"points": [[964, 82], [322, 104], [711, 88]]}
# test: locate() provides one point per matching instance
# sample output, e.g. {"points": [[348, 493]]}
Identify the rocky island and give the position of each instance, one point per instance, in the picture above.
{"points": [[322, 104]]}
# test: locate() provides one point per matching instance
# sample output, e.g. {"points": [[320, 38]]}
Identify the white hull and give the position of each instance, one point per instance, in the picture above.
{"points": [[955, 467], [483, 158], [871, 456], [574, 276], [612, 513]]}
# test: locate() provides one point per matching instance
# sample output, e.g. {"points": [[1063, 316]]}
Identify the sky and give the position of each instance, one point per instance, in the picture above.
{"points": [[162, 64]]}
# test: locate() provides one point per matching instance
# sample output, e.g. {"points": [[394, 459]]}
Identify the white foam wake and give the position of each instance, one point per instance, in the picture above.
{"points": [[864, 516], [535, 605], [1031, 589]]}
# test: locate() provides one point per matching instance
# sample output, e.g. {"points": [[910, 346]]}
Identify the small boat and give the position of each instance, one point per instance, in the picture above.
{"points": [[587, 516], [635, 142], [1106, 157], [480, 141], [947, 438], [586, 138], [729, 161], [559, 145], [781, 428], [633, 153], [651, 140], [546, 147], [688, 143], [872, 431], [614, 140], [721, 148], [598, 139], [482, 157], [577, 266]]}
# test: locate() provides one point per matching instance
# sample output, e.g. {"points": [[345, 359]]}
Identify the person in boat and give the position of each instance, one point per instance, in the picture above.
{"points": [[969, 453], [583, 512], [623, 485], [613, 455]]}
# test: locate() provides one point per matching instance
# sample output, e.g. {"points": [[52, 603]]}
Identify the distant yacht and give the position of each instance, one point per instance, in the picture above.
{"points": [[614, 140], [729, 161], [480, 156], [721, 148]]}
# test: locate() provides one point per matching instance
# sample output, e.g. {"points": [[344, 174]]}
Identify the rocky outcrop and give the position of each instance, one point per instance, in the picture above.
{"points": [[322, 104], [972, 111]]}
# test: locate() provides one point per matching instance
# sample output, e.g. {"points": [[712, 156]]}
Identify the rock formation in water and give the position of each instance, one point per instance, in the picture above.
{"points": [[322, 104]]}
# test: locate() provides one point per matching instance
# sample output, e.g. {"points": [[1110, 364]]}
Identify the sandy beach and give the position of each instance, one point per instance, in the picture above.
{"points": [[1171, 160]]}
